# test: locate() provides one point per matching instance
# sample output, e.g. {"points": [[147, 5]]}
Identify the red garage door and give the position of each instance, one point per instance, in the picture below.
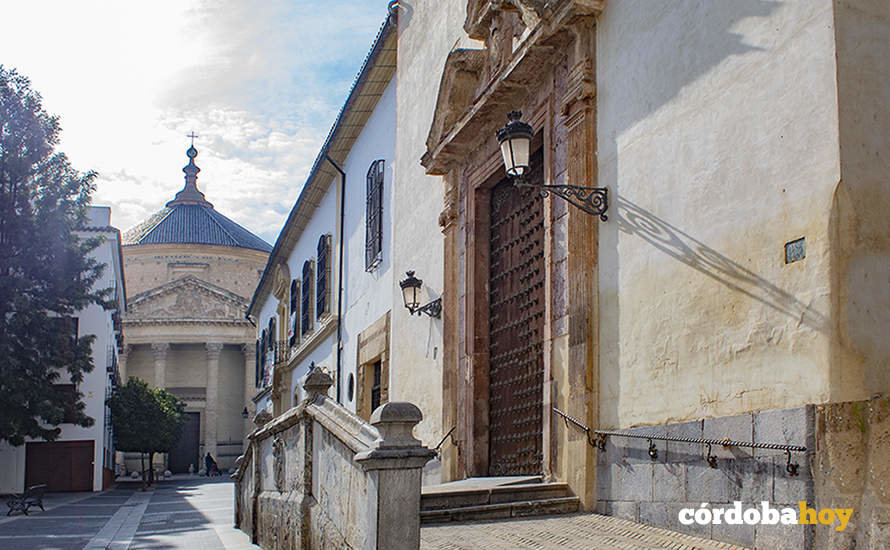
{"points": [[61, 465]]}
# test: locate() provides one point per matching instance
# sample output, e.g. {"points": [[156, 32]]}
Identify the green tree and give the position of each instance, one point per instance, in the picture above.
{"points": [[46, 272], [145, 420]]}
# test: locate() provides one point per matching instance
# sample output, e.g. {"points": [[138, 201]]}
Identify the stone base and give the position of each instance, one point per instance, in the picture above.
{"points": [[631, 485]]}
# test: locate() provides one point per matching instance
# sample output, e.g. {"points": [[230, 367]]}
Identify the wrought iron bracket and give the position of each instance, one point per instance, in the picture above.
{"points": [[712, 460], [790, 467], [653, 451], [593, 200], [433, 309]]}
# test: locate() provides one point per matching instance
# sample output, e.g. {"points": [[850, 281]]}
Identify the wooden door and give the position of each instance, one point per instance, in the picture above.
{"points": [[186, 451], [60, 465], [516, 328]]}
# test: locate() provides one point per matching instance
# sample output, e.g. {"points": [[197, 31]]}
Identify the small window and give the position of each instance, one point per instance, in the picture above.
{"points": [[374, 217], [306, 313], [293, 332], [322, 286], [375, 387], [66, 394], [66, 337]]}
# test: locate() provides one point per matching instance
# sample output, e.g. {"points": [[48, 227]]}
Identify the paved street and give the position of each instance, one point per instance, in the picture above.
{"points": [[194, 514], [578, 531]]}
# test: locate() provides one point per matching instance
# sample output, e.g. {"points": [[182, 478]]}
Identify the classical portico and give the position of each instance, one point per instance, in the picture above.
{"points": [[190, 271]]}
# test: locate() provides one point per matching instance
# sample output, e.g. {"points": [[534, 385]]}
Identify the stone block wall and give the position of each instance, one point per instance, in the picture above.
{"points": [[318, 476], [852, 470], [632, 485]]}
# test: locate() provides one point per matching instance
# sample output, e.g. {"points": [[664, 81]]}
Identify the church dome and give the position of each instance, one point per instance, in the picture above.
{"points": [[190, 219]]}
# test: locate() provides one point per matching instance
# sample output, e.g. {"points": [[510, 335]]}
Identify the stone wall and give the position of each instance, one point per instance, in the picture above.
{"points": [[852, 470], [632, 485], [846, 466], [320, 477]]}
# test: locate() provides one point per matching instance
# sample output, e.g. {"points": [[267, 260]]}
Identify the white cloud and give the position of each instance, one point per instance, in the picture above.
{"points": [[259, 82]]}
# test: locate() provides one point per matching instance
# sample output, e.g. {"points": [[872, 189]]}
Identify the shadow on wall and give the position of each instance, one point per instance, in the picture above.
{"points": [[635, 220], [693, 38]]}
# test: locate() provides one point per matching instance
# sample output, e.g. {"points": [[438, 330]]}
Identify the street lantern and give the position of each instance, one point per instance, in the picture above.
{"points": [[244, 413], [411, 295], [515, 142]]}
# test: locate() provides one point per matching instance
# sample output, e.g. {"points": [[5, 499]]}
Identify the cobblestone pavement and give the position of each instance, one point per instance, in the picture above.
{"points": [[579, 531], [193, 514]]}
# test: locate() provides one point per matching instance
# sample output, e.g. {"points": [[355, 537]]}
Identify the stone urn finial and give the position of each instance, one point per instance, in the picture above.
{"points": [[395, 421], [262, 418], [317, 382]]}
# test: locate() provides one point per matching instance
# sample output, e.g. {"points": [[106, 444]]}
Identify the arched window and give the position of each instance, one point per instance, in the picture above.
{"points": [[374, 216], [306, 312], [293, 329], [322, 286]]}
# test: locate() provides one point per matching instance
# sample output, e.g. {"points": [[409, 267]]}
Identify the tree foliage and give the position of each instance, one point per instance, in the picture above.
{"points": [[46, 271], [145, 420]]}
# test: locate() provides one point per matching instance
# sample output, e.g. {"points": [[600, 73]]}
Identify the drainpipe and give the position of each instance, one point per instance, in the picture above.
{"points": [[340, 269]]}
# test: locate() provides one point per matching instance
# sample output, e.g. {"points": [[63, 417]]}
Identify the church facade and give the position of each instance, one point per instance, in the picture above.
{"points": [[189, 271]]}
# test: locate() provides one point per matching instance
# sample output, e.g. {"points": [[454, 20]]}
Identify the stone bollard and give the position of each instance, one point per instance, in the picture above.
{"points": [[398, 458]]}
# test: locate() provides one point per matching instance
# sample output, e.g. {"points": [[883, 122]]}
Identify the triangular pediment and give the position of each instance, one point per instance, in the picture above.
{"points": [[187, 298]]}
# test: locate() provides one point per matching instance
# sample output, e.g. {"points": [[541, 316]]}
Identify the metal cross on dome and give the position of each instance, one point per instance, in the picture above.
{"points": [[192, 135]]}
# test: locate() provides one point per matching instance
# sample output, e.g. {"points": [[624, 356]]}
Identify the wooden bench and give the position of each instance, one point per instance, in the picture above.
{"points": [[33, 496]]}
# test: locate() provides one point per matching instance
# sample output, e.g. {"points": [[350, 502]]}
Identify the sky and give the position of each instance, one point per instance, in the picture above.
{"points": [[259, 82]]}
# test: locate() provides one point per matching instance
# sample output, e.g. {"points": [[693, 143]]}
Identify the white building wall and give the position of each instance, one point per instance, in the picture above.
{"points": [[367, 295], [696, 301], [425, 39], [96, 385]]}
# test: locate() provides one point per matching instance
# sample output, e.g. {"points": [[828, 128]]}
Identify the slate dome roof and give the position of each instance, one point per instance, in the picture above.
{"points": [[190, 219]]}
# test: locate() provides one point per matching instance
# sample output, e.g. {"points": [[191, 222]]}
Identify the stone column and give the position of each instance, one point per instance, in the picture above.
{"points": [[122, 362], [210, 412], [249, 352], [160, 352]]}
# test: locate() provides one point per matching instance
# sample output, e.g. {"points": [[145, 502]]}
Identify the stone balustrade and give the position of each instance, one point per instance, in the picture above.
{"points": [[318, 476]]}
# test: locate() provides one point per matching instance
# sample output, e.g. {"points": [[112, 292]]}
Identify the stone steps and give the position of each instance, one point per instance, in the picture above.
{"points": [[534, 498]]}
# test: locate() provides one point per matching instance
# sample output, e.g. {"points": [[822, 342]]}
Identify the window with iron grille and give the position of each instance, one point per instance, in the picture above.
{"points": [[375, 387], [374, 218], [263, 348], [66, 335], [293, 330], [66, 395], [306, 313], [322, 286], [257, 363]]}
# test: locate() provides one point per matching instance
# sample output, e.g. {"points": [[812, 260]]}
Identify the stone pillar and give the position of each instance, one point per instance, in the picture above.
{"points": [[160, 352], [212, 398], [398, 459], [122, 362], [249, 352], [452, 464], [580, 377]]}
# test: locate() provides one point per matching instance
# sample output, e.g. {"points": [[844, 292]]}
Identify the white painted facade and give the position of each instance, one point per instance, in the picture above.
{"points": [[367, 294], [96, 386]]}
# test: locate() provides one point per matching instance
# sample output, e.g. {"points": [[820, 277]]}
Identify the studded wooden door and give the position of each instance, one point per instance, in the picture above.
{"points": [[516, 328]]}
